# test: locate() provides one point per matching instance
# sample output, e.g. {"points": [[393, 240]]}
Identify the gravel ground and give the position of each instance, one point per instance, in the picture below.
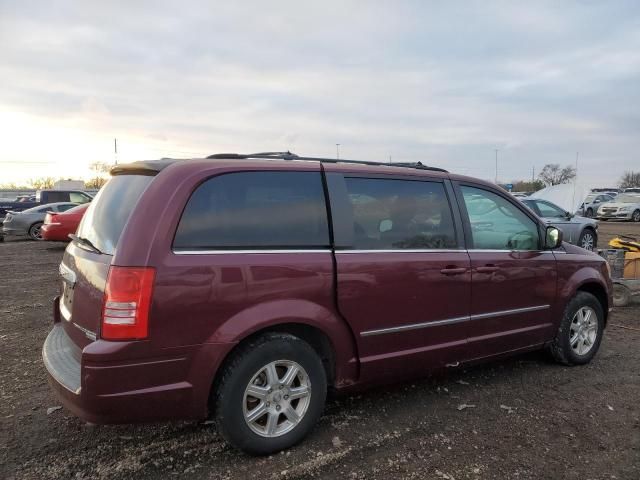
{"points": [[525, 417]]}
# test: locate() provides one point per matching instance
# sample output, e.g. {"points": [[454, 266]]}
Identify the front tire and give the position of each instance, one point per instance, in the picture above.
{"points": [[588, 239], [271, 394], [35, 231], [589, 213], [635, 216], [580, 333]]}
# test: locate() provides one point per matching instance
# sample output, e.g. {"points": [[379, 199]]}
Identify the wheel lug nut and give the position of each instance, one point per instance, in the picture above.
{"points": [[280, 387], [286, 397], [278, 407]]}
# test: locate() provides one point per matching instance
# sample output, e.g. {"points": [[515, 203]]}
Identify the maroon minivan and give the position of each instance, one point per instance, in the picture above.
{"points": [[246, 286]]}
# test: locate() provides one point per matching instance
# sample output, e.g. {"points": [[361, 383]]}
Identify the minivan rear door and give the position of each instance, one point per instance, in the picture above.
{"points": [[86, 261], [403, 275]]}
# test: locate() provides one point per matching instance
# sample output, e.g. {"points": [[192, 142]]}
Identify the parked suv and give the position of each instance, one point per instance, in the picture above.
{"points": [[246, 286]]}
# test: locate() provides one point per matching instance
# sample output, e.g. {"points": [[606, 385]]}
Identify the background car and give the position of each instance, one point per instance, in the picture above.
{"points": [[590, 205], [624, 207], [58, 225], [29, 222], [581, 231]]}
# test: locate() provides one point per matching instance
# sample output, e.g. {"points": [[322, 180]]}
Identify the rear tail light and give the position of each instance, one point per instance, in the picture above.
{"points": [[127, 299], [49, 217]]}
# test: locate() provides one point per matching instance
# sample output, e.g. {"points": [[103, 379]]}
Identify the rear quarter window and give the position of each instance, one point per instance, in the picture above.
{"points": [[255, 210]]}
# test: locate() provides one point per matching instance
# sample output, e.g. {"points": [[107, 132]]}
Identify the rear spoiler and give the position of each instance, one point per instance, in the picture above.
{"points": [[146, 167]]}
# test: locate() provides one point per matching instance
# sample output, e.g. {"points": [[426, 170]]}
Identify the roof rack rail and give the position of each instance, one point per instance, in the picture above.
{"points": [[292, 156]]}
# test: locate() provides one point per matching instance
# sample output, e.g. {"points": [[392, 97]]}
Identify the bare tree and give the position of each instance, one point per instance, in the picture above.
{"points": [[630, 179], [552, 174], [99, 170], [41, 183], [95, 183], [527, 185]]}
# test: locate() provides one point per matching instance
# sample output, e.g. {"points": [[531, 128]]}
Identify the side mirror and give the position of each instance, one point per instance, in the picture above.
{"points": [[596, 201], [385, 226], [553, 238], [569, 215]]}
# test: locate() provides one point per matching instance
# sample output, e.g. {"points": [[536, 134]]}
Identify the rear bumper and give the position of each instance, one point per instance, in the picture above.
{"points": [[100, 386], [58, 233], [13, 231]]}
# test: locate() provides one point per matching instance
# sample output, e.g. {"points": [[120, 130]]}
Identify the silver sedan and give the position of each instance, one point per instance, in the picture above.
{"points": [[28, 222], [581, 231]]}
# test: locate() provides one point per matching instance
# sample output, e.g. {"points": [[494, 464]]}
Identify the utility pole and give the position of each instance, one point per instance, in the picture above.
{"points": [[115, 150], [337, 151], [496, 166], [533, 174]]}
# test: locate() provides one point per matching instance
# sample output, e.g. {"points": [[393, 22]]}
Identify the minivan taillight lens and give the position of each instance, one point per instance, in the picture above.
{"points": [[127, 299]]}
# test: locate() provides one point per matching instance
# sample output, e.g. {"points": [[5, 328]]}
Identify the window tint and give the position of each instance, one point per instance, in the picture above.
{"points": [[53, 197], [65, 207], [548, 210], [77, 197], [256, 210], [497, 224], [109, 211], [400, 214]]}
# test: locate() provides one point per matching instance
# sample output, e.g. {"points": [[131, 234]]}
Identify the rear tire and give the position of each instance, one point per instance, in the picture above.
{"points": [[35, 231], [254, 406], [588, 239], [580, 333]]}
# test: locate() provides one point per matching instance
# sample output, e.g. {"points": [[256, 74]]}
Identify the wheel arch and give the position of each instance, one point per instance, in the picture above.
{"points": [[598, 291]]}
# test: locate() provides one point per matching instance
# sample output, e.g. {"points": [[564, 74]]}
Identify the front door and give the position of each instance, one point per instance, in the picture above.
{"points": [[403, 276], [513, 279]]}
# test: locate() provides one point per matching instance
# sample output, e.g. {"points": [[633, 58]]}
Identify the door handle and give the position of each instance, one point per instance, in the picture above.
{"points": [[453, 271], [487, 269]]}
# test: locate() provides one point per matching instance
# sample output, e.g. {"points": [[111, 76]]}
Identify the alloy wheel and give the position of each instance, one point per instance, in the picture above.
{"points": [[587, 241], [636, 216], [584, 330], [277, 398]]}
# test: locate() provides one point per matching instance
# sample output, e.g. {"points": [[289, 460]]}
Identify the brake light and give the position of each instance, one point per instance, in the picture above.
{"points": [[127, 299], [48, 219]]}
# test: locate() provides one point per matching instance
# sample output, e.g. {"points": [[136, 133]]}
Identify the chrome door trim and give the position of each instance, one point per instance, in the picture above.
{"points": [[414, 326], [404, 250], [482, 316], [451, 321], [240, 252]]}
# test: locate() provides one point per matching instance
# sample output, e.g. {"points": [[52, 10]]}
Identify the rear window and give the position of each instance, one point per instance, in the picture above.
{"points": [[109, 211], [255, 210]]}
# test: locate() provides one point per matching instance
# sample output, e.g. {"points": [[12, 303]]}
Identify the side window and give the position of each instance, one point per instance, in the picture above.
{"points": [[497, 224], [53, 197], [548, 210], [254, 210], [77, 197], [400, 214], [65, 207]]}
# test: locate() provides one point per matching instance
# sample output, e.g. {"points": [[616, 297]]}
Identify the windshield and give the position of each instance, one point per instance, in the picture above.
{"points": [[590, 198], [628, 199], [109, 211]]}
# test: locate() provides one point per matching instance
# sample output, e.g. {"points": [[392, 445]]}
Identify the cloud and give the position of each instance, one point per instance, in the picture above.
{"points": [[442, 82]]}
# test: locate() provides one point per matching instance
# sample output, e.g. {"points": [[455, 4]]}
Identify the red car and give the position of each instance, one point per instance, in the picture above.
{"points": [[58, 226]]}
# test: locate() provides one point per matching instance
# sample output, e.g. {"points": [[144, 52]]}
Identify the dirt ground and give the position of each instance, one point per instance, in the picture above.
{"points": [[527, 418]]}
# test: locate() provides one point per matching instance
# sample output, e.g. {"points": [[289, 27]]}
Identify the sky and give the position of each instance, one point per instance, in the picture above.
{"points": [[443, 82]]}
